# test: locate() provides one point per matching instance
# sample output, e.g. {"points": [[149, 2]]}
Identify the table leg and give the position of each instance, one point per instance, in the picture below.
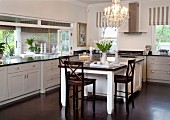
{"points": [[110, 91], [63, 87]]}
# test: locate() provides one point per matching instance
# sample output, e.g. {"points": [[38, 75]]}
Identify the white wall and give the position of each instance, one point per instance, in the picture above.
{"points": [[127, 41], [49, 9]]}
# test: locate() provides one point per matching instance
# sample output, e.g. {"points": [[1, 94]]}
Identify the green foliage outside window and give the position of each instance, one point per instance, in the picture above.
{"points": [[7, 37], [163, 32]]}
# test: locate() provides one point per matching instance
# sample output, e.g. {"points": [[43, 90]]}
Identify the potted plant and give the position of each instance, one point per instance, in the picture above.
{"points": [[104, 45], [2, 48], [30, 42]]}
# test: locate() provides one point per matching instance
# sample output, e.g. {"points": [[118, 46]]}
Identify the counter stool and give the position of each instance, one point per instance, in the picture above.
{"points": [[125, 79], [77, 80]]}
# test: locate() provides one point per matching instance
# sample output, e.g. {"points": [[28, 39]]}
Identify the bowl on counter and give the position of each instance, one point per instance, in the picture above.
{"points": [[163, 51]]}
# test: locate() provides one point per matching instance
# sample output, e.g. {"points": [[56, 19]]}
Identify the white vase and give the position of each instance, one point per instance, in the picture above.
{"points": [[104, 57]]}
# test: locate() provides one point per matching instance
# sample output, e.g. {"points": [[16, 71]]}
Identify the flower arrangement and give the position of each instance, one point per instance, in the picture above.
{"points": [[104, 45]]}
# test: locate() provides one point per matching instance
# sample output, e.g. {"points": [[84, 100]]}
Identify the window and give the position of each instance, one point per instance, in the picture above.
{"points": [[110, 33], [162, 37], [7, 37]]}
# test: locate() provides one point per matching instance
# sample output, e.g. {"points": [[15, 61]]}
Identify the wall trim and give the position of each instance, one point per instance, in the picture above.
{"points": [[76, 2]]}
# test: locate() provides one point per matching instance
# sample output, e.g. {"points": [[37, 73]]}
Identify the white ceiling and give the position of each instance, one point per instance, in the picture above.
{"points": [[93, 1], [105, 1]]}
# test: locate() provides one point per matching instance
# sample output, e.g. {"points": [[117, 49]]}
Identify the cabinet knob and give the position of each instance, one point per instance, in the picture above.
{"points": [[168, 72], [152, 71], [33, 66], [17, 68]]}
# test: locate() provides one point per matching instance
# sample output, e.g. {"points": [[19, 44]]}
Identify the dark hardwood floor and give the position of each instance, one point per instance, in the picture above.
{"points": [[151, 103]]}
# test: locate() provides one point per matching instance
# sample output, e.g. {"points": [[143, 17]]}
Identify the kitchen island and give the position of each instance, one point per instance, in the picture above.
{"points": [[105, 80]]}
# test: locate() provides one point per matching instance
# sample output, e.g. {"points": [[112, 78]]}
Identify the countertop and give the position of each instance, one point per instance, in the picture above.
{"points": [[8, 62]]}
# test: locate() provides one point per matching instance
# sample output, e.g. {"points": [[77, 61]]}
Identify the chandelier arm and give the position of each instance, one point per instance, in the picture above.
{"points": [[115, 15]]}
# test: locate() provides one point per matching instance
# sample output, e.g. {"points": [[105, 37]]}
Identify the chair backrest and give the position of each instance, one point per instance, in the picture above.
{"points": [[130, 68], [63, 58], [74, 71]]}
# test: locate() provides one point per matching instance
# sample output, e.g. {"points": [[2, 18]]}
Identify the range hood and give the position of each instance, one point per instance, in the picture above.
{"points": [[133, 19]]}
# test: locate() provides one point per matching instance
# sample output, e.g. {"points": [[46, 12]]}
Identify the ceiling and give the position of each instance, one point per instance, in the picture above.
{"points": [[93, 1], [105, 1]]}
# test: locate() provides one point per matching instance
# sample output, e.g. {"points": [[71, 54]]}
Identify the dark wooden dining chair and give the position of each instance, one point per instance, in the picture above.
{"points": [[76, 79], [125, 79], [61, 62]]}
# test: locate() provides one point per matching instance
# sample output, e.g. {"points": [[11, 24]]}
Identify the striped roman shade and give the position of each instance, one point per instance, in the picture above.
{"points": [[159, 15], [101, 20]]}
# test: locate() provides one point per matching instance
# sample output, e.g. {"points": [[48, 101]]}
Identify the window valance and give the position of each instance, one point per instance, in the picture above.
{"points": [[159, 16]]}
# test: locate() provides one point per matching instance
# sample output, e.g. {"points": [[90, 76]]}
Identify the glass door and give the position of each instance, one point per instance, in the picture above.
{"points": [[63, 42]]}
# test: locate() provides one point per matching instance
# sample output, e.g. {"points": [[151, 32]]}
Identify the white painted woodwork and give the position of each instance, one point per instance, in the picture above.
{"points": [[158, 68], [23, 78], [32, 80], [3, 84], [50, 74], [143, 68], [16, 84]]}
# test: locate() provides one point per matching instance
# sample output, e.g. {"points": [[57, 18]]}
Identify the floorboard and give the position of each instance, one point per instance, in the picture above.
{"points": [[151, 103]]}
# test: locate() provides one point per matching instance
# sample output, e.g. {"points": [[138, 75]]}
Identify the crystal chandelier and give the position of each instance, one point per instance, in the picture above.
{"points": [[116, 15]]}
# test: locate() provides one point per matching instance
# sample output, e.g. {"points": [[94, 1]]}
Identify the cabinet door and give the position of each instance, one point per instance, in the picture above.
{"points": [[32, 81], [16, 84], [3, 84], [53, 77], [136, 77]]}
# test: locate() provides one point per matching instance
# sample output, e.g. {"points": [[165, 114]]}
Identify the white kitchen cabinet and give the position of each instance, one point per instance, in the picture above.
{"points": [[143, 68], [158, 69], [23, 78], [3, 84], [32, 80], [138, 76], [16, 84], [50, 74]]}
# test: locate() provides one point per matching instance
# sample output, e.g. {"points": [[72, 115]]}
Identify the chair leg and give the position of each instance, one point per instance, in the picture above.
{"points": [[76, 98], [94, 97], [67, 101], [132, 96], [82, 102], [127, 99], [115, 97], [74, 105]]}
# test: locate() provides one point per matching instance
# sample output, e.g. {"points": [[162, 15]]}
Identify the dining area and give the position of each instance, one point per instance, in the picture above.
{"points": [[112, 81]]}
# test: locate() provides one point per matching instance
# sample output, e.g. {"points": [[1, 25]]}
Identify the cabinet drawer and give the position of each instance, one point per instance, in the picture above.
{"points": [[52, 69], [158, 59], [52, 81], [30, 66], [159, 75], [16, 68], [53, 63], [163, 66], [23, 67]]}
